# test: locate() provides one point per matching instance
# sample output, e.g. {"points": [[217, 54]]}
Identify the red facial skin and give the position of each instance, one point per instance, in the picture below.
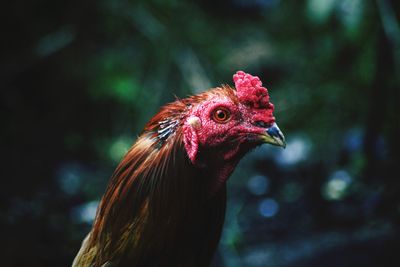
{"points": [[240, 126], [220, 146]]}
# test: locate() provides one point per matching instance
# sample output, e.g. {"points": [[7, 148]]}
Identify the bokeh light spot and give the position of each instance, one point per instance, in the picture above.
{"points": [[56, 41], [268, 208], [124, 88], [258, 185], [337, 185], [118, 148], [319, 10], [85, 213], [297, 150], [69, 179]]}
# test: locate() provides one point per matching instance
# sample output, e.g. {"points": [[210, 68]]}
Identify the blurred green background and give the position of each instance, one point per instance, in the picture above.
{"points": [[79, 79]]}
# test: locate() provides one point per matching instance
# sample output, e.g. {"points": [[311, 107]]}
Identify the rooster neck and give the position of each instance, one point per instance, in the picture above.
{"points": [[154, 197], [219, 163]]}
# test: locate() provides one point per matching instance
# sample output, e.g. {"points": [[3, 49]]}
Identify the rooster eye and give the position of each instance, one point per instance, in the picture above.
{"points": [[221, 115]]}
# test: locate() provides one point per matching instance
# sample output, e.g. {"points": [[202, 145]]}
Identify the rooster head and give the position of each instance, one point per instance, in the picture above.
{"points": [[223, 124]]}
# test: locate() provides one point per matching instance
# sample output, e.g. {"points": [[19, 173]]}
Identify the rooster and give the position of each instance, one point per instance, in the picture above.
{"points": [[165, 202]]}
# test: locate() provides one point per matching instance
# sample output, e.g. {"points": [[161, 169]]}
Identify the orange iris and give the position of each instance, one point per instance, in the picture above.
{"points": [[221, 115]]}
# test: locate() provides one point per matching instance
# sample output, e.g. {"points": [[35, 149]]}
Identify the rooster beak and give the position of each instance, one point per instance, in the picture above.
{"points": [[274, 136]]}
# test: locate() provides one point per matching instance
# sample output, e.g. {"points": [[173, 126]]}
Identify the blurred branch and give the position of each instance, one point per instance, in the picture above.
{"points": [[381, 86], [192, 70], [391, 27]]}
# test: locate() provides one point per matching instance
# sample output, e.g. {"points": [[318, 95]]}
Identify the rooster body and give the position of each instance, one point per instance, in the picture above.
{"points": [[165, 203]]}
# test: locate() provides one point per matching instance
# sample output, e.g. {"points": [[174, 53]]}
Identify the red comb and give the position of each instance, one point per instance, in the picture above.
{"points": [[250, 90], [251, 93]]}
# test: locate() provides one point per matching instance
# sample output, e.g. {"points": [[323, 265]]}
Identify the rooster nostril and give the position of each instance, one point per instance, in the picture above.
{"points": [[262, 124]]}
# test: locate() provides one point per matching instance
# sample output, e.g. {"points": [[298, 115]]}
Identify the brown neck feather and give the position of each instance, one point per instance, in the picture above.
{"points": [[153, 187]]}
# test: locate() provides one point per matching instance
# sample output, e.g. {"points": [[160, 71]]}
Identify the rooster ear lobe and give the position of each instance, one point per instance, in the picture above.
{"points": [[190, 137]]}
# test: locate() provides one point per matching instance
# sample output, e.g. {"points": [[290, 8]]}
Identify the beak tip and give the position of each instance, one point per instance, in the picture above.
{"points": [[281, 143], [274, 136]]}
